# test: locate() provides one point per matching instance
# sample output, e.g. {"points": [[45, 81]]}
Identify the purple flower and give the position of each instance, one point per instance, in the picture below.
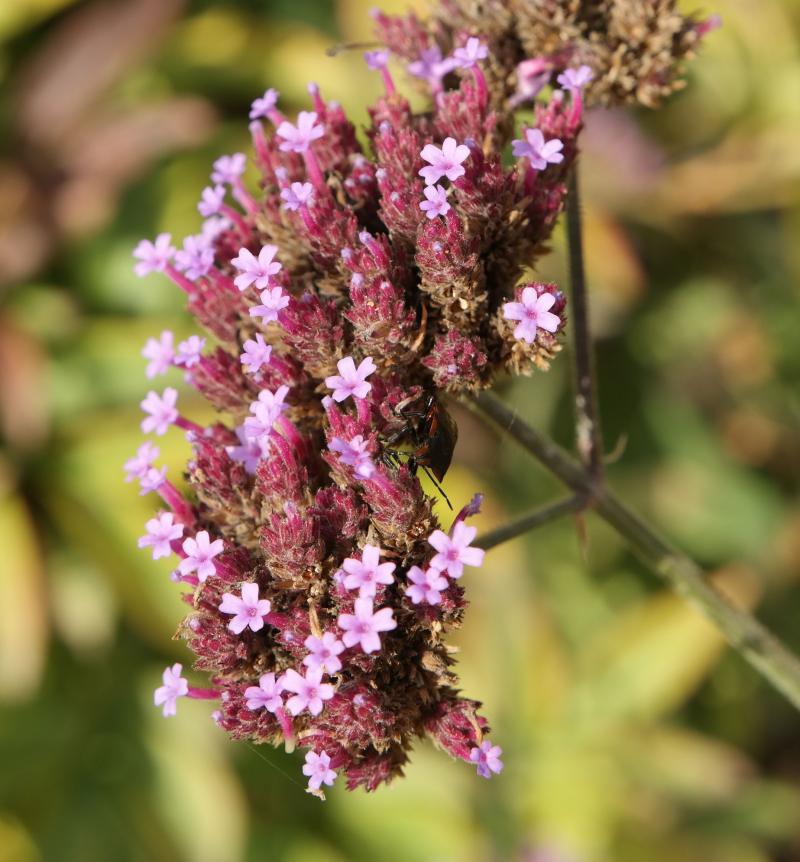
{"points": [[487, 758], [256, 270], [454, 551], [297, 195], [432, 67], [310, 691], [256, 353], [213, 227], [377, 60], [228, 169], [211, 201], [354, 454], [273, 300], [161, 531], [538, 153], [426, 585], [266, 412], [248, 610], [532, 313], [161, 409], [266, 695], [175, 686], [142, 461], [351, 380], [200, 552], [250, 452], [575, 80], [436, 203], [324, 652], [152, 480], [196, 257], [444, 162], [190, 351], [153, 257], [365, 574], [471, 53], [298, 138], [363, 626], [532, 77], [262, 106], [160, 352], [318, 770]]}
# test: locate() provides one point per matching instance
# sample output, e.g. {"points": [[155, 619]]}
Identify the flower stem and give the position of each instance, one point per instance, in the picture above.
{"points": [[768, 655], [537, 518]]}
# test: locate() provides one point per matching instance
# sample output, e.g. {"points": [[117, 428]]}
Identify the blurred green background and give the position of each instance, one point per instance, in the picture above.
{"points": [[630, 733]]}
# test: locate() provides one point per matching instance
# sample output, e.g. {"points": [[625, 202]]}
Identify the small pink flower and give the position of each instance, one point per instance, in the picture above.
{"points": [[266, 695], [532, 77], [266, 412], [444, 162], [196, 257], [262, 106], [190, 351], [153, 257], [160, 352], [211, 200], [365, 574], [363, 626], [351, 380], [228, 169], [432, 67], [355, 454], [152, 480], [324, 652], [310, 691], [487, 758], [256, 353], [200, 552], [533, 313], [256, 270], [426, 586], [377, 60], [161, 409], [471, 54], [248, 610], [297, 195], [213, 227], [273, 301], [538, 153], [142, 461], [575, 80], [318, 770], [298, 138], [436, 203], [161, 532], [454, 551], [175, 686], [249, 452]]}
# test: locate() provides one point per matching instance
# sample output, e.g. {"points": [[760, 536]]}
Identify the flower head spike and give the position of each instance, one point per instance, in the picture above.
{"points": [[273, 301], [262, 106], [228, 169], [298, 138], [256, 353], [455, 551], [487, 758], [200, 552], [309, 691], [471, 54], [297, 195], [533, 312], [138, 466], [160, 352], [212, 199], [436, 201], [175, 686], [161, 532], [190, 351], [355, 454], [248, 610], [196, 257], [426, 585], [367, 573], [538, 153], [351, 380], [161, 410], [324, 652], [254, 270], [266, 695], [444, 162], [364, 625], [153, 256], [317, 768], [575, 80]]}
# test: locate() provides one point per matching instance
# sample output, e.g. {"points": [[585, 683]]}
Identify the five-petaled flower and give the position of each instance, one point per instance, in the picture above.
{"points": [[317, 768], [426, 585], [256, 353], [248, 610], [160, 352], [309, 691], [351, 380], [264, 104], [161, 532], [473, 52], [200, 552], [249, 451], [138, 466], [196, 257], [298, 138], [273, 300], [256, 270], [444, 162], [227, 169], [324, 652], [365, 574], [153, 257], [436, 201], [487, 758], [190, 351], [266, 411], [265, 695], [175, 686], [355, 454], [161, 409], [297, 195], [454, 551], [533, 313], [575, 80], [212, 200], [364, 625], [538, 152]]}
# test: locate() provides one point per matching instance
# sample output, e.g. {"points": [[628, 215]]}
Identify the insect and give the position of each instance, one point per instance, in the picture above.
{"points": [[433, 433]]}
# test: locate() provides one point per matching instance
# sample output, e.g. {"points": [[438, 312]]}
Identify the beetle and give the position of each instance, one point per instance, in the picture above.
{"points": [[433, 433]]}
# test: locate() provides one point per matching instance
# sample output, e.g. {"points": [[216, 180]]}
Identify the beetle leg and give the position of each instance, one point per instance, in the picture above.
{"points": [[438, 487]]}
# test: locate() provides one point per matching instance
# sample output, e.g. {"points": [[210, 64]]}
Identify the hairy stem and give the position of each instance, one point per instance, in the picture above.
{"points": [[768, 655], [537, 518]]}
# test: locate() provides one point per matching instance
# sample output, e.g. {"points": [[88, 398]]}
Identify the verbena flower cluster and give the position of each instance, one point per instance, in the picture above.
{"points": [[344, 292]]}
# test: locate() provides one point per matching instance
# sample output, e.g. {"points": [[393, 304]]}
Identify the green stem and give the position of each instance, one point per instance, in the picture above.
{"points": [[526, 523]]}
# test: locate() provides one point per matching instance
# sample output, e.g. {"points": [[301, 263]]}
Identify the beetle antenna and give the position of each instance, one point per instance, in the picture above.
{"points": [[349, 46]]}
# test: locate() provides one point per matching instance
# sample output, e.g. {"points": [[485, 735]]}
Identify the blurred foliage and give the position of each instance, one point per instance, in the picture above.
{"points": [[630, 733]]}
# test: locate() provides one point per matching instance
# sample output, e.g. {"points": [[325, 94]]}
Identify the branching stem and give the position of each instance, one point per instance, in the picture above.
{"points": [[537, 518]]}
